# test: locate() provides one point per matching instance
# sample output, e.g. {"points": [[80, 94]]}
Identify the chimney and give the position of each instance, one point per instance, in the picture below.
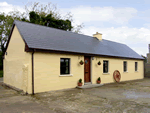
{"points": [[98, 36], [149, 48]]}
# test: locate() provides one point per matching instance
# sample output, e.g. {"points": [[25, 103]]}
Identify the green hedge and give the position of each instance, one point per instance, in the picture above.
{"points": [[1, 73]]}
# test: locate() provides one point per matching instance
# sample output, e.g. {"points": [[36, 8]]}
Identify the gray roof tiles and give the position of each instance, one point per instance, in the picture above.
{"points": [[42, 37]]}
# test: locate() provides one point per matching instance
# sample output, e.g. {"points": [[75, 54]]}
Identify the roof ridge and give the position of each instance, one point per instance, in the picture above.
{"points": [[65, 31], [53, 28]]}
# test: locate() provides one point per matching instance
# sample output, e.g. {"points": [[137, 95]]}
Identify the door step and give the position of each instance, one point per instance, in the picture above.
{"points": [[87, 83], [89, 86]]}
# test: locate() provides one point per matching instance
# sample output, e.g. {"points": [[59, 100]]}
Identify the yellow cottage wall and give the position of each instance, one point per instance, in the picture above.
{"points": [[17, 63], [18, 73], [116, 64], [47, 71]]}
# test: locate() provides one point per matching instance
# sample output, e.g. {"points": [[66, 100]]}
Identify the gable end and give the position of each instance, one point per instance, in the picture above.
{"points": [[26, 46]]}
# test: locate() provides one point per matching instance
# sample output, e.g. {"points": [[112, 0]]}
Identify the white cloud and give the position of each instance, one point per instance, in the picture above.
{"points": [[135, 38], [3, 4], [105, 14], [5, 7]]}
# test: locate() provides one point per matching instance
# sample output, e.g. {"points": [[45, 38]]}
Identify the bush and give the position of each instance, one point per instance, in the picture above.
{"points": [[1, 73], [99, 79], [80, 80]]}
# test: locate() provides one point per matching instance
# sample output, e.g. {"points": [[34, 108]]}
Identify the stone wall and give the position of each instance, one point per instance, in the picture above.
{"points": [[148, 54], [148, 57], [147, 70]]}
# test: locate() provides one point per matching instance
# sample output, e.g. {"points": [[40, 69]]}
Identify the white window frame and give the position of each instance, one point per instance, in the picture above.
{"points": [[66, 75]]}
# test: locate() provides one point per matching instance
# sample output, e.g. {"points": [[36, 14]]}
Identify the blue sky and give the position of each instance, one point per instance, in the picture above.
{"points": [[124, 21], [139, 4]]}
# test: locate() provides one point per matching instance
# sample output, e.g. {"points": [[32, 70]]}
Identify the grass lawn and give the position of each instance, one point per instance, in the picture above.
{"points": [[1, 73]]}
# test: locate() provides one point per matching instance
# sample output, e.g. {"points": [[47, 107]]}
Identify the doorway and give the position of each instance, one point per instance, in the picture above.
{"points": [[87, 64]]}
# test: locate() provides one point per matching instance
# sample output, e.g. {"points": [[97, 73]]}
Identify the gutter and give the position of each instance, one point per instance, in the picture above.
{"points": [[79, 53], [33, 72]]}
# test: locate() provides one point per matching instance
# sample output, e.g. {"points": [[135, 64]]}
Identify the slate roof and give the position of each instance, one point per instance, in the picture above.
{"points": [[42, 37]]}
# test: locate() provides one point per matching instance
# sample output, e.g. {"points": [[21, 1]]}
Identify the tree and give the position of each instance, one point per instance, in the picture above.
{"points": [[37, 13], [49, 21], [50, 10], [6, 22], [145, 59]]}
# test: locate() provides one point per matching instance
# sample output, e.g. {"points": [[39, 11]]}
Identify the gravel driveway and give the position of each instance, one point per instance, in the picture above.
{"points": [[13, 102], [126, 97], [1, 79]]}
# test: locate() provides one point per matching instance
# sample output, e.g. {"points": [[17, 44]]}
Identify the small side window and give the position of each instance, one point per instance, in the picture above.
{"points": [[125, 66], [136, 66]]}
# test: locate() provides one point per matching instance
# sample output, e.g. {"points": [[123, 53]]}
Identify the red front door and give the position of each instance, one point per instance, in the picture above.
{"points": [[87, 77]]}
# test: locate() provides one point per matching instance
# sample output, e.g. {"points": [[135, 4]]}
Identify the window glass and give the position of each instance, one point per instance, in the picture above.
{"points": [[64, 66], [67, 62], [86, 61], [125, 66], [62, 60], [136, 66], [105, 66]]}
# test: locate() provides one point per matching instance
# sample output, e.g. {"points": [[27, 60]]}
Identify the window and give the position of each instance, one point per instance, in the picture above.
{"points": [[64, 66], [125, 66], [105, 66], [136, 66]]}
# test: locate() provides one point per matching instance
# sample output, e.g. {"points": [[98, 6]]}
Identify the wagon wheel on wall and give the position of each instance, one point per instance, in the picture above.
{"points": [[117, 76]]}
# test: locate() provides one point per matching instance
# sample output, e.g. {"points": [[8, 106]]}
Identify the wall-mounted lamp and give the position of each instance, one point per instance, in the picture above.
{"points": [[92, 58], [6, 53]]}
